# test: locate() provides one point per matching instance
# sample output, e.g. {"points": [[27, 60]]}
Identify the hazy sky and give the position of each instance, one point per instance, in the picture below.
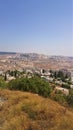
{"points": [[42, 26]]}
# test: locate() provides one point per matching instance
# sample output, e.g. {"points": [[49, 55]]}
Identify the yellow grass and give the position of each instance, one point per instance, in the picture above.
{"points": [[26, 111]]}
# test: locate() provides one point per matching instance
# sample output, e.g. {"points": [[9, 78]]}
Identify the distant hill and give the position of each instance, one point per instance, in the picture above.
{"points": [[36, 55], [5, 53], [39, 60]]}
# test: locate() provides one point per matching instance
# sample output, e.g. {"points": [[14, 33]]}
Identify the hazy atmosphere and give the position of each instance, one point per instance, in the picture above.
{"points": [[40, 26]]}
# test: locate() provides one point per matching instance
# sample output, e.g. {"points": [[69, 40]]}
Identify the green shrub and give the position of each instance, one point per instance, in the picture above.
{"points": [[35, 85], [2, 83], [66, 86]]}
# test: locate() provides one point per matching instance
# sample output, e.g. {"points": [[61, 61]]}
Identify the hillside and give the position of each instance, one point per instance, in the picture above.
{"points": [[33, 60], [26, 111]]}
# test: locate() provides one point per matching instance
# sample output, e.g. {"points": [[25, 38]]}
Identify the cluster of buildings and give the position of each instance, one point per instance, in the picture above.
{"points": [[45, 74], [28, 65]]}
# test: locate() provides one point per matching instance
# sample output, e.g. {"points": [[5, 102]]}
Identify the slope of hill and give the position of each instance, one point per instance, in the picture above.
{"points": [[26, 111], [22, 60]]}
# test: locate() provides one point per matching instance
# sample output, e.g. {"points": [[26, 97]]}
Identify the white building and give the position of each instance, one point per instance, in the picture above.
{"points": [[71, 86], [11, 78]]}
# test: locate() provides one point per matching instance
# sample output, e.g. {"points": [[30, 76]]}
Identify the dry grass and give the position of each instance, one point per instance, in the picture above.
{"points": [[26, 111]]}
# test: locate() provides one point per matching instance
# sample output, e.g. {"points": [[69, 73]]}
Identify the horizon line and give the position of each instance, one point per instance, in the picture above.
{"points": [[16, 52]]}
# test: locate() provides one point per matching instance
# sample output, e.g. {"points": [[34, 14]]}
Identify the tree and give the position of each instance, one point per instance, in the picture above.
{"points": [[61, 75], [5, 77]]}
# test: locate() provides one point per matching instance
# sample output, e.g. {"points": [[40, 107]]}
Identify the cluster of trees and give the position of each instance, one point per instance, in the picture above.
{"points": [[35, 85], [60, 74], [14, 73]]}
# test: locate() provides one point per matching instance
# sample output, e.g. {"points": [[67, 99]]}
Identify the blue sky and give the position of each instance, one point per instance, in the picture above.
{"points": [[40, 26]]}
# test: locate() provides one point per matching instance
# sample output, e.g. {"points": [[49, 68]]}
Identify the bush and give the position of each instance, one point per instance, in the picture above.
{"points": [[2, 83], [35, 85], [66, 86], [60, 98]]}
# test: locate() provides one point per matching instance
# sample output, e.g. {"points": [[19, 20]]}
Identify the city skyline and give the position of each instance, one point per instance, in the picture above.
{"points": [[42, 26]]}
